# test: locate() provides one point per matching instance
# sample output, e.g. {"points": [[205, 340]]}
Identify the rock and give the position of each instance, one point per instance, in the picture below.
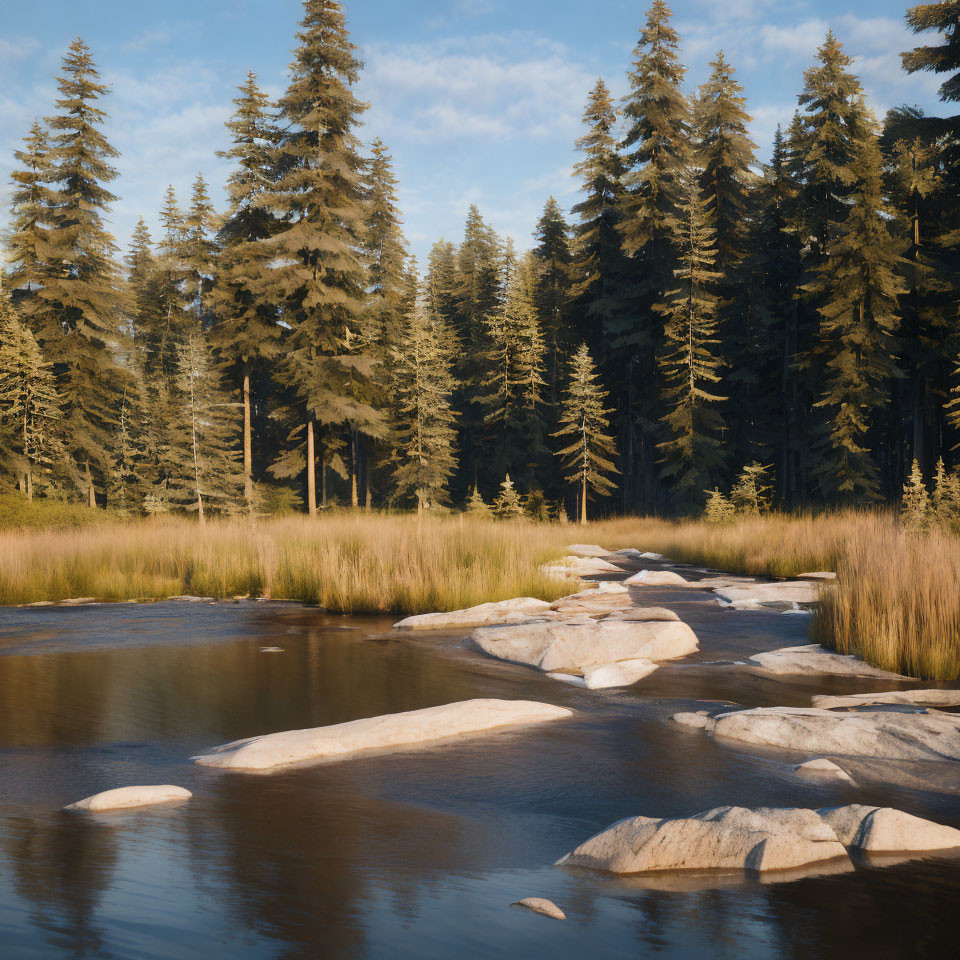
{"points": [[571, 678], [76, 601], [802, 591], [579, 567], [645, 615], [127, 798], [556, 646], [884, 830], [188, 598], [613, 587], [821, 575], [719, 583], [272, 650], [633, 554], [740, 604], [728, 838], [885, 735], [623, 674], [588, 551], [506, 611], [696, 720], [822, 769], [380, 733], [922, 698], [593, 601], [816, 659], [657, 578], [651, 556], [539, 905]]}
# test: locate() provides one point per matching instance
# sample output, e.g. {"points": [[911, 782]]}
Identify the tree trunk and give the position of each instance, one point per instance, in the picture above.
{"points": [[583, 504], [354, 497], [247, 445], [29, 483], [91, 492], [311, 473]]}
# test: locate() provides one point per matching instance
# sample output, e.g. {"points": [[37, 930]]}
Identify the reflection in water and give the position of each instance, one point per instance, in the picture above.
{"points": [[415, 854]]}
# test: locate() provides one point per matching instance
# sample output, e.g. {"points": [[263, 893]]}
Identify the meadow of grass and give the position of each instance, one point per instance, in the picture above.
{"points": [[896, 602]]}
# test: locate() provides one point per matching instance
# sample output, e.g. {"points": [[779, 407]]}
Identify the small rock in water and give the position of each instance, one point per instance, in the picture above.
{"points": [[920, 698], [816, 659], [76, 601], [504, 611], [128, 798], [819, 575], [823, 768], [657, 578], [885, 830], [570, 678], [272, 650], [651, 556], [538, 905], [623, 674], [697, 720]]}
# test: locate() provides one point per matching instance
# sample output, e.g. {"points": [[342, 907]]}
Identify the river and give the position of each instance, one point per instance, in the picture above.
{"points": [[415, 854]]}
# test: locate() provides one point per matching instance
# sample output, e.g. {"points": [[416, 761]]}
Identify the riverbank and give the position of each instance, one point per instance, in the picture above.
{"points": [[896, 602]]}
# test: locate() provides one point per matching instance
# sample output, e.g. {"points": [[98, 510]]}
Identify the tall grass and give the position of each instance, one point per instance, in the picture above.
{"points": [[896, 603]]}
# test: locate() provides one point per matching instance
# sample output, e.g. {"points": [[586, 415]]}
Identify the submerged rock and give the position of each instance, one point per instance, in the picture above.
{"points": [[538, 905], [380, 733], [885, 830], [816, 659], [504, 611], [127, 798], [885, 735], [625, 673], [558, 646], [921, 698], [657, 578], [799, 591], [822, 769], [727, 838]]}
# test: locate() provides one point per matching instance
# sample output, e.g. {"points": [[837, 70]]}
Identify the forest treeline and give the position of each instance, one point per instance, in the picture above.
{"points": [[698, 312]]}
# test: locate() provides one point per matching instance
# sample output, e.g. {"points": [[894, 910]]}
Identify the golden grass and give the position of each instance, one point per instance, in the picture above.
{"points": [[897, 602]]}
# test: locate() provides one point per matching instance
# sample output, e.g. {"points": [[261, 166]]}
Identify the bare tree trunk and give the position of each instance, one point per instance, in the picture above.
{"points": [[583, 503], [29, 483], [196, 458], [247, 445], [354, 498], [92, 494], [311, 474]]}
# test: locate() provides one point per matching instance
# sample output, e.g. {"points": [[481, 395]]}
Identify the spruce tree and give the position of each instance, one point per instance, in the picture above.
{"points": [[476, 505], [317, 275], [588, 460], [139, 440], [507, 505], [689, 363], [553, 287], [943, 17], [199, 251], [441, 282], [30, 440], [915, 502], [246, 334], [79, 324]]}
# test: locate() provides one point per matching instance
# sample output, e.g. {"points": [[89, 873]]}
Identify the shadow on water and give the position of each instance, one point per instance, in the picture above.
{"points": [[414, 854]]}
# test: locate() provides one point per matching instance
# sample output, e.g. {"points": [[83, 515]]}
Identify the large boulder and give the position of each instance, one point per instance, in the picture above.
{"points": [[816, 659], [919, 698], [728, 838], [559, 646], [884, 830], [657, 578], [798, 591], [885, 735], [128, 798], [623, 674], [380, 733], [505, 611]]}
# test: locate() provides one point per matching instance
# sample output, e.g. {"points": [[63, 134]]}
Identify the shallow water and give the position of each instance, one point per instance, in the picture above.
{"points": [[415, 854]]}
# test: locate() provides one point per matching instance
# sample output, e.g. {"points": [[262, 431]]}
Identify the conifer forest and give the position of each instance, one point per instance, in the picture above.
{"points": [[701, 315]]}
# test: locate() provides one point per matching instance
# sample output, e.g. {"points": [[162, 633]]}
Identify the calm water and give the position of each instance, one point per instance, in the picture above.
{"points": [[415, 854]]}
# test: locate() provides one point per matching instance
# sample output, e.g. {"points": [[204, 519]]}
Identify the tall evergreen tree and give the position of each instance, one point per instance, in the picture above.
{"points": [[317, 274], [689, 362], [588, 460], [441, 281], [81, 298], [553, 287], [199, 251]]}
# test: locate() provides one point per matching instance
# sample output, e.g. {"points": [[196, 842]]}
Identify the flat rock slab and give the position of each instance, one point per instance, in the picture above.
{"points": [[397, 730], [816, 659], [821, 575], [884, 735], [587, 550], [645, 615], [504, 611], [594, 601], [623, 674], [579, 567], [570, 647], [798, 591], [538, 905], [727, 838], [128, 798], [919, 698], [822, 769], [657, 578], [884, 830]]}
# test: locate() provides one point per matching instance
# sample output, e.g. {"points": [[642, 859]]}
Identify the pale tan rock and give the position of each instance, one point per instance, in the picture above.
{"points": [[727, 838], [575, 567], [697, 720], [822, 769], [538, 905], [380, 733], [657, 578], [816, 659], [574, 679], [645, 615], [799, 591], [623, 674], [128, 798], [821, 575], [504, 611], [893, 736], [557, 646], [587, 550], [594, 601], [918, 698], [885, 830]]}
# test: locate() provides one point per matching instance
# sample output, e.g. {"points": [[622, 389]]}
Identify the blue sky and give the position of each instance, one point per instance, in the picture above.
{"points": [[478, 100]]}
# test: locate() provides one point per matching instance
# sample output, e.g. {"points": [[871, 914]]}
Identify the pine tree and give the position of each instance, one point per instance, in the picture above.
{"points": [[79, 325], [915, 503], [205, 432], [422, 386], [174, 321], [476, 505], [588, 460], [139, 442], [246, 334], [752, 491], [441, 282], [199, 251], [508, 506], [30, 442], [719, 509], [689, 361], [856, 288], [943, 17], [553, 287], [317, 274]]}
